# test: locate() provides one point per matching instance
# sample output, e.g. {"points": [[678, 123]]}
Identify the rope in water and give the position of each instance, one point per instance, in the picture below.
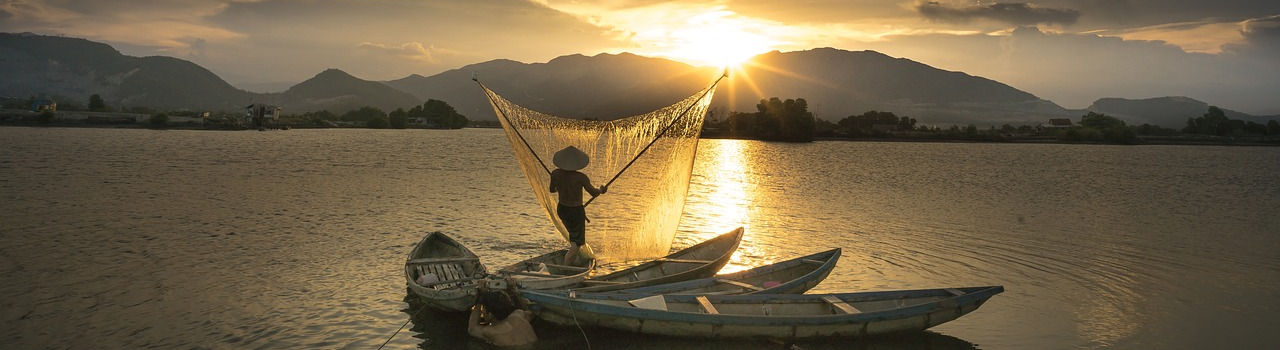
{"points": [[574, 312], [406, 323]]}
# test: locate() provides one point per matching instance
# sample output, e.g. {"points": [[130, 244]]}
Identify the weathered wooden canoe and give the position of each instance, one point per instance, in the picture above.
{"points": [[547, 272], [449, 273], [698, 261], [794, 276], [784, 316]]}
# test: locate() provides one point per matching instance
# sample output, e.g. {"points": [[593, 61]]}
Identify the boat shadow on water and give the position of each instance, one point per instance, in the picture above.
{"points": [[442, 331]]}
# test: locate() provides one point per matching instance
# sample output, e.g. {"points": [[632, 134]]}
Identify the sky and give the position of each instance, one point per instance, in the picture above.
{"points": [[1072, 52]]}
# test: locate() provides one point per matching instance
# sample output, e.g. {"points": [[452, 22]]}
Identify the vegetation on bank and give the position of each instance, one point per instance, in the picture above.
{"points": [[433, 114], [789, 120], [774, 120]]}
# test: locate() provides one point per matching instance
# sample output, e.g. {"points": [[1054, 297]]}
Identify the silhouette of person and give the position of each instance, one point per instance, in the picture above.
{"points": [[569, 183]]}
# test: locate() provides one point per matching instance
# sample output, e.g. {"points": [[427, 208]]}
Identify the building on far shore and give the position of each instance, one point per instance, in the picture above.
{"points": [[44, 104], [1058, 123], [260, 116]]}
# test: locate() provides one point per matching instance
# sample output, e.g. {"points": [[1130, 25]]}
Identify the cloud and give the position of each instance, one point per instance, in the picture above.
{"points": [[197, 47], [413, 51], [1261, 38], [1264, 30], [1016, 13], [5, 14]]}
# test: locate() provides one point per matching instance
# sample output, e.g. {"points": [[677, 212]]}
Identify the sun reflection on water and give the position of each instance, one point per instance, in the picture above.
{"points": [[725, 193]]}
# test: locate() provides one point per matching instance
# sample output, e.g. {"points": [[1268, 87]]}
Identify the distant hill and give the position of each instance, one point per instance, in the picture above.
{"points": [[1170, 112], [839, 83], [74, 69], [836, 83], [339, 92], [603, 86], [71, 70]]}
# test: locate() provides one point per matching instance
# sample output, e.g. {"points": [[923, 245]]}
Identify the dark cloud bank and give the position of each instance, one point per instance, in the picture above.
{"points": [[1018, 13]]}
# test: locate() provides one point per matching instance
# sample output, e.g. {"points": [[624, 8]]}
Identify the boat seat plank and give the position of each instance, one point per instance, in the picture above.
{"points": [[449, 283], [955, 292], [811, 261], [602, 282], [566, 267], [451, 271], [706, 305], [746, 286], [685, 261], [444, 272], [840, 304], [530, 274], [441, 260]]}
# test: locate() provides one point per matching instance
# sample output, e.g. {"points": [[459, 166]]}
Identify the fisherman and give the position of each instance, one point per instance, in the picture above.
{"points": [[499, 318], [569, 183]]}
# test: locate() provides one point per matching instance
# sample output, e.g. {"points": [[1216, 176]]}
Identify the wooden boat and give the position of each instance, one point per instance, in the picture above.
{"points": [[763, 315], [794, 276], [698, 261], [448, 271], [547, 272]]}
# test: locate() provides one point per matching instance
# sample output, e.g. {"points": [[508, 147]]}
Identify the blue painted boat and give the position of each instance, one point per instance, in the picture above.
{"points": [[779, 316], [794, 276]]}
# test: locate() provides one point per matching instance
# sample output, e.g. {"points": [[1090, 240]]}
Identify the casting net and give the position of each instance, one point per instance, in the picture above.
{"points": [[638, 216]]}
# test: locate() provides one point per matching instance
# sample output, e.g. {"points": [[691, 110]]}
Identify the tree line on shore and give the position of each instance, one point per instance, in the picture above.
{"points": [[789, 120], [431, 114]]}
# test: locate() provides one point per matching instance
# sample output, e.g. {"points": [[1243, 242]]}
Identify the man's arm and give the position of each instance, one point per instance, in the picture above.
{"points": [[586, 185], [515, 294], [473, 323]]}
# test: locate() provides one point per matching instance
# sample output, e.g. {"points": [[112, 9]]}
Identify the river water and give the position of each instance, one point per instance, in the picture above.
{"points": [[125, 238]]}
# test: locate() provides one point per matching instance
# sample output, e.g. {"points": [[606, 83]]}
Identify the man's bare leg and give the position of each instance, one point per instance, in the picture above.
{"points": [[572, 255]]}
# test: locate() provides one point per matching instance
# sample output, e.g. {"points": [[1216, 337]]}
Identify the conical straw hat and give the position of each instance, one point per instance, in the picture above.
{"points": [[570, 158]]}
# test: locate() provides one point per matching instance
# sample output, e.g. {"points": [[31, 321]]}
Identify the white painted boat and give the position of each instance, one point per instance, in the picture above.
{"points": [[794, 276], [763, 315], [547, 271], [698, 261], [443, 273]]}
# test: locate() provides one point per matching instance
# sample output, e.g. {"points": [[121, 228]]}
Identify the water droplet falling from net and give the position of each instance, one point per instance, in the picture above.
{"points": [[638, 217]]}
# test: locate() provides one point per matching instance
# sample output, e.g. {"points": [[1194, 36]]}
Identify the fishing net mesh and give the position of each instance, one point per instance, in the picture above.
{"points": [[638, 216]]}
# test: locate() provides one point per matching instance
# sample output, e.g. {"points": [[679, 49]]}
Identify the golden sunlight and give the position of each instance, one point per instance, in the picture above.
{"points": [[715, 42], [701, 36]]}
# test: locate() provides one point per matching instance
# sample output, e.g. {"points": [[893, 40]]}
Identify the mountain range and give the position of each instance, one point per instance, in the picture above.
{"points": [[836, 83]]}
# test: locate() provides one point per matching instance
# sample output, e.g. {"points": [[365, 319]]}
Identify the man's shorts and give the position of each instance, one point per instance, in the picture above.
{"points": [[575, 220]]}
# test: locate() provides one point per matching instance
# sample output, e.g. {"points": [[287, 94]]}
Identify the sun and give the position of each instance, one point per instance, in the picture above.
{"points": [[717, 45], [706, 37]]}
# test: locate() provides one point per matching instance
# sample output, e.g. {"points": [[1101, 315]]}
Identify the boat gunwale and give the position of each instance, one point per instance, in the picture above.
{"points": [[586, 309], [439, 297], [548, 279], [713, 265], [829, 259]]}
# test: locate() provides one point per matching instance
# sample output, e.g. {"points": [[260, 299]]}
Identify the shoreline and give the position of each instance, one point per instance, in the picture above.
{"points": [[1142, 140]]}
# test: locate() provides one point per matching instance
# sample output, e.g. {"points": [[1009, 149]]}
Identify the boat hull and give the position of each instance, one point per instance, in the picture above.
{"points": [[549, 281], [560, 309], [715, 251], [794, 276], [457, 270]]}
